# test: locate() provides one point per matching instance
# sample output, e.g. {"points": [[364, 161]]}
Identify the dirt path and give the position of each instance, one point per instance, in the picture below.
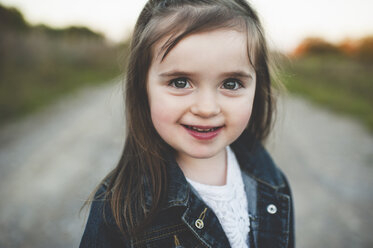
{"points": [[51, 161], [329, 162], [49, 164]]}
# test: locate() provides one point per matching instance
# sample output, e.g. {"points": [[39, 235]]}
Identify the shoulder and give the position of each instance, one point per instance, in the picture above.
{"points": [[272, 188], [258, 163], [101, 229]]}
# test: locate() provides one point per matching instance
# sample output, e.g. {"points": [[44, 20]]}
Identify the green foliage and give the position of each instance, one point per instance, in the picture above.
{"points": [[364, 50], [11, 18], [339, 82], [42, 64], [69, 33]]}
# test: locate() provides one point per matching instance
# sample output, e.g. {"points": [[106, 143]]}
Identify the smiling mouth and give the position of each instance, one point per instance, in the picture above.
{"points": [[201, 129]]}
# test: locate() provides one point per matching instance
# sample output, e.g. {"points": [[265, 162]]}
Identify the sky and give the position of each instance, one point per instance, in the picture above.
{"points": [[286, 22]]}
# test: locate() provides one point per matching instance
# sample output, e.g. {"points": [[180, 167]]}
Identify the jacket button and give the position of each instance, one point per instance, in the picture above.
{"points": [[272, 209], [199, 223]]}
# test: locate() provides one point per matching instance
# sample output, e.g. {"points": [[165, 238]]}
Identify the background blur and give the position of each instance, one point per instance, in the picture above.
{"points": [[62, 127]]}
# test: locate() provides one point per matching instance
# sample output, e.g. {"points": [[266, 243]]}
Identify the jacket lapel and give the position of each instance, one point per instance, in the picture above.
{"points": [[180, 193], [210, 232], [269, 208]]}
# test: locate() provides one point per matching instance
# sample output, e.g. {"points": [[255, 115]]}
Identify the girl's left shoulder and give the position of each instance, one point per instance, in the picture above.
{"points": [[274, 212], [258, 163]]}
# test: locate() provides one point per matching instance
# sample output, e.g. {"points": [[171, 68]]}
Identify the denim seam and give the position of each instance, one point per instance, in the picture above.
{"points": [[165, 228], [159, 236]]}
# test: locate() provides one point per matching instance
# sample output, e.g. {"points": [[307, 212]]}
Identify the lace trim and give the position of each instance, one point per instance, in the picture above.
{"points": [[229, 203]]}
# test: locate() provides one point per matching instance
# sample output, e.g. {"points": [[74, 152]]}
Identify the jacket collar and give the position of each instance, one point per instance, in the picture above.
{"points": [[256, 163], [178, 189]]}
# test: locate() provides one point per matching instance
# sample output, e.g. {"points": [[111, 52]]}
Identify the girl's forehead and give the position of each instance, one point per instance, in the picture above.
{"points": [[221, 49], [161, 47]]}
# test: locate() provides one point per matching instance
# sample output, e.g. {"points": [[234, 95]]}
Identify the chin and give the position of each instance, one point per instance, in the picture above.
{"points": [[201, 154]]}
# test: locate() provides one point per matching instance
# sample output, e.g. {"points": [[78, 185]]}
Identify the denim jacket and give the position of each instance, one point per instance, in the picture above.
{"points": [[186, 221]]}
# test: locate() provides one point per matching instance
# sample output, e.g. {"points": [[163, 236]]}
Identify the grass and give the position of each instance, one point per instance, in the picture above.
{"points": [[36, 70], [338, 82]]}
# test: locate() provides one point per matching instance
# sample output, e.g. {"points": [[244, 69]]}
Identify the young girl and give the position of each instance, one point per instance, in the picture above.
{"points": [[193, 172]]}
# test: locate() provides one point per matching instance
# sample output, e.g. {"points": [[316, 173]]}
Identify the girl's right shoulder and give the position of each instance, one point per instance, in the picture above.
{"points": [[101, 229]]}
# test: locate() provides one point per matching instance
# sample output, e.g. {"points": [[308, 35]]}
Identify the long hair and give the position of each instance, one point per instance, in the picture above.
{"points": [[142, 166]]}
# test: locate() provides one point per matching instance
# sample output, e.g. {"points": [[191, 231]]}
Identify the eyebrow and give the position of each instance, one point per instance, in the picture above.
{"points": [[177, 73], [239, 74]]}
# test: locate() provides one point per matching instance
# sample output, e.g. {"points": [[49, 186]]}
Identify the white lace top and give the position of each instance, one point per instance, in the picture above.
{"points": [[229, 203]]}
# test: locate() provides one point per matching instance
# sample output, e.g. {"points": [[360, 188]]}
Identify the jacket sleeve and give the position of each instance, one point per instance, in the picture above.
{"points": [[101, 230], [291, 243]]}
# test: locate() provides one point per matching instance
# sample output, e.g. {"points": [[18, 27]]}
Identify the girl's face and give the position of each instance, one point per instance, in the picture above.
{"points": [[201, 95]]}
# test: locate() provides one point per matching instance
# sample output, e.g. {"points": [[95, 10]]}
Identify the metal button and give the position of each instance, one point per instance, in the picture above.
{"points": [[199, 223], [272, 209]]}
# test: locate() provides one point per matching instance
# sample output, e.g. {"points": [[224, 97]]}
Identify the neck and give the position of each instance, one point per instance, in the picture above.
{"points": [[211, 171]]}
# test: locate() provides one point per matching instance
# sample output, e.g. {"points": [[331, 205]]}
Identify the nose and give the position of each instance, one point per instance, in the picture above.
{"points": [[206, 104]]}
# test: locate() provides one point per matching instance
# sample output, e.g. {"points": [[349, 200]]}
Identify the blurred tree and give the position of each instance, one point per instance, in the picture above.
{"points": [[39, 63], [348, 46], [82, 32], [361, 49], [12, 19], [70, 33], [364, 49], [315, 46]]}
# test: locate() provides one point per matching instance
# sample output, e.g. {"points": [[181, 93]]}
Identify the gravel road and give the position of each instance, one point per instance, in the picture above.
{"points": [[50, 162]]}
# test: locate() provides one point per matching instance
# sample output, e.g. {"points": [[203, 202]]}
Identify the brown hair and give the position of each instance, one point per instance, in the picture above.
{"points": [[142, 166]]}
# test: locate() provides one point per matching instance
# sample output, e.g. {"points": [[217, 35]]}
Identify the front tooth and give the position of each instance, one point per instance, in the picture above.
{"points": [[202, 130]]}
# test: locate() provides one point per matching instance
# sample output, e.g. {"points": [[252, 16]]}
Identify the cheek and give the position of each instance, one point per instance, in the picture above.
{"points": [[242, 118], [247, 108], [239, 116], [165, 122], [160, 117], [163, 114]]}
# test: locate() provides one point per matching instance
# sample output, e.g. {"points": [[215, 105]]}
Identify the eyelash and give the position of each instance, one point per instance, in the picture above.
{"points": [[238, 83], [173, 81]]}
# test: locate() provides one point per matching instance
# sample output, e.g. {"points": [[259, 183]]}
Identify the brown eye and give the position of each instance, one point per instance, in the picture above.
{"points": [[180, 83], [231, 84]]}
